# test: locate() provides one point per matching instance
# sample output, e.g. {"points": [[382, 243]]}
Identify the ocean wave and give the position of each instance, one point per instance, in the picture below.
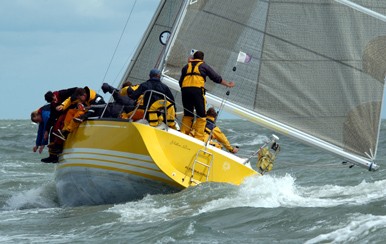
{"points": [[39, 197], [355, 229], [257, 192]]}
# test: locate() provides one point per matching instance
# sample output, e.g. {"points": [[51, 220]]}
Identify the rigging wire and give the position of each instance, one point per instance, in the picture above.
{"points": [[119, 41]]}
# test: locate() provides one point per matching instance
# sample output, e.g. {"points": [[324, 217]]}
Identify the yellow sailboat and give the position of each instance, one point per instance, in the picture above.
{"points": [[314, 73], [111, 161]]}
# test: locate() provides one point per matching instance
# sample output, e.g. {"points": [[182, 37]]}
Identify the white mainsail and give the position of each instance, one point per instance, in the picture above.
{"points": [[309, 74]]}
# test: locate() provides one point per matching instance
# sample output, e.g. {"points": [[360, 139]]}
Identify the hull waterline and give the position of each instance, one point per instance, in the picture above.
{"points": [[113, 161]]}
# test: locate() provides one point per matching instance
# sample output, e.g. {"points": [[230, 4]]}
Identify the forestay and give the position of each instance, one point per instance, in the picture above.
{"points": [[311, 69], [151, 49]]}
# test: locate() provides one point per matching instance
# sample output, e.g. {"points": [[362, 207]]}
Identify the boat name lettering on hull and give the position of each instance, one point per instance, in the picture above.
{"points": [[176, 143]]}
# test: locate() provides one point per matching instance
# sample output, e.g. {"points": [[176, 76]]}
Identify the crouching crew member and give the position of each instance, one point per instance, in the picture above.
{"points": [[82, 100], [218, 139]]}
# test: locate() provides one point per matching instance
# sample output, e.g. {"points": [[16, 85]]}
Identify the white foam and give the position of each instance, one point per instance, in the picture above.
{"points": [[360, 194], [264, 192], [352, 231], [33, 198], [272, 192], [145, 210], [259, 192], [257, 140], [190, 230], [166, 239]]}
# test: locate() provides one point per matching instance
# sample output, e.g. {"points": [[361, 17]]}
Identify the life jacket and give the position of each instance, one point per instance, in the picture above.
{"points": [[193, 77], [155, 114], [139, 112], [127, 90], [92, 98], [209, 125]]}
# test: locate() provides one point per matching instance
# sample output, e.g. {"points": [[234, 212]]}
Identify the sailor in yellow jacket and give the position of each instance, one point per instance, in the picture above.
{"points": [[192, 82], [214, 134], [79, 109]]}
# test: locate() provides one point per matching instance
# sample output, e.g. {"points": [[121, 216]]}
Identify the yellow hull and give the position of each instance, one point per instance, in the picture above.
{"points": [[108, 161]]}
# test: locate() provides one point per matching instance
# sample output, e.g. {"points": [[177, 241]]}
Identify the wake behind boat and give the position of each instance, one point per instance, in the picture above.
{"points": [[313, 71]]}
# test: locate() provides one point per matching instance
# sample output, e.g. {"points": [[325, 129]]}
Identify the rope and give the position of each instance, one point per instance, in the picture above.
{"points": [[223, 104], [316, 165], [119, 41], [218, 114]]}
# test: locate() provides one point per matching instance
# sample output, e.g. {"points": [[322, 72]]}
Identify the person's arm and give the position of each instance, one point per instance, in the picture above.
{"points": [[169, 94], [183, 74], [51, 119], [41, 139], [207, 70], [38, 139], [227, 84], [123, 100], [65, 104], [221, 138], [40, 136], [46, 115]]}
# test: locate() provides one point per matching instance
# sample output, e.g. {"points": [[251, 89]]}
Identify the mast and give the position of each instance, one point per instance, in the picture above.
{"points": [[174, 31]]}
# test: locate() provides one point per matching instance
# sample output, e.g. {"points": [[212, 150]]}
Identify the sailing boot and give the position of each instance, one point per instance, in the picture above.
{"points": [[200, 128], [186, 124], [56, 148], [51, 159], [107, 88]]}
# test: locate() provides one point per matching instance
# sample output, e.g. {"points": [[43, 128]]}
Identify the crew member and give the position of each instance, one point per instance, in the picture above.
{"points": [[192, 83], [41, 117], [82, 98], [214, 134]]}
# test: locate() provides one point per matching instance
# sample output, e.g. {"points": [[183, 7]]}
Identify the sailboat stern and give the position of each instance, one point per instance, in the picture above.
{"points": [[106, 162], [189, 161]]}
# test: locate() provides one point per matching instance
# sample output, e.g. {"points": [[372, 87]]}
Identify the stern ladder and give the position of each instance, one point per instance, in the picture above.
{"points": [[201, 154]]}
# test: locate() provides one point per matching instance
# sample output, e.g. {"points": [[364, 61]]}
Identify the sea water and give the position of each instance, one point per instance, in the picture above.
{"points": [[309, 197]]}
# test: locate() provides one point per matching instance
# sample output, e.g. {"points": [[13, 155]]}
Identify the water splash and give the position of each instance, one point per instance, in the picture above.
{"points": [[272, 192], [354, 230], [41, 197], [257, 192]]}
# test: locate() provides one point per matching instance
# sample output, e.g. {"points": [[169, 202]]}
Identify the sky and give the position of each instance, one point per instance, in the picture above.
{"points": [[52, 45], [58, 44]]}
